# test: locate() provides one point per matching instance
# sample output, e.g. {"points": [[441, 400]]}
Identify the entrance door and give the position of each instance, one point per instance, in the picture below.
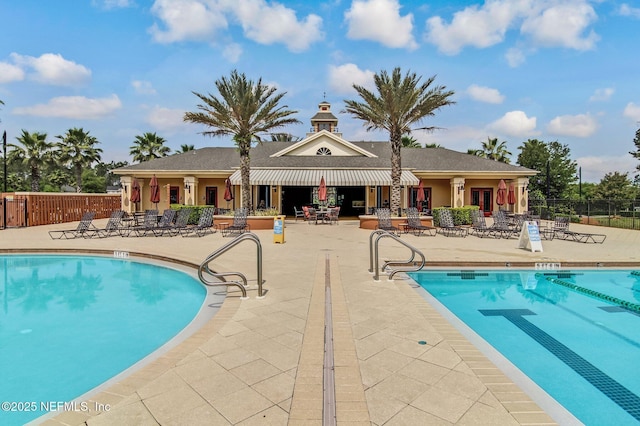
{"points": [[483, 198], [211, 196]]}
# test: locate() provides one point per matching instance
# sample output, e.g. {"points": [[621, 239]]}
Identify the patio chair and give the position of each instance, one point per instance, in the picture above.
{"points": [[204, 225], [384, 221], [332, 216], [239, 225], [479, 226], [82, 228], [312, 215], [165, 224], [112, 227], [414, 224], [501, 226], [299, 214], [448, 228], [149, 221], [562, 232], [181, 222]]}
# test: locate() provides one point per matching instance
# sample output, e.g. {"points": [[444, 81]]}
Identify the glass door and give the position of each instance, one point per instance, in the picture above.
{"points": [[483, 198]]}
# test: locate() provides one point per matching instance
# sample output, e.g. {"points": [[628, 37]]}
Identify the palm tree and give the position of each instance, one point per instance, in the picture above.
{"points": [[35, 153], [77, 150], [401, 102], [244, 110], [409, 141], [284, 137], [185, 148], [148, 146], [493, 150]]}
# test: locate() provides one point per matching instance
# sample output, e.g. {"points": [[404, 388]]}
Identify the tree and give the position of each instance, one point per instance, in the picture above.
{"points": [[400, 102], [185, 148], [636, 153], [244, 109], [35, 153], [77, 150], [493, 150], [284, 137], [615, 186], [409, 141], [148, 147], [552, 160]]}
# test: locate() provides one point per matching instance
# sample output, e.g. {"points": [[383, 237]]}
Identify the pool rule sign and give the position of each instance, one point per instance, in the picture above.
{"points": [[530, 237]]}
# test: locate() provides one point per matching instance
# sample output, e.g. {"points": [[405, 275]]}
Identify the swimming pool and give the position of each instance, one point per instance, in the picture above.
{"points": [[70, 323], [575, 333]]}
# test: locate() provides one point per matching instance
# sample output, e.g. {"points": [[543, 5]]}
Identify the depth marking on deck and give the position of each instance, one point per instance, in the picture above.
{"points": [[329, 382]]}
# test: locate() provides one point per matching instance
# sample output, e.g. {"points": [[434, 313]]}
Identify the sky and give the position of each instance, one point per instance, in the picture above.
{"points": [[552, 70]]}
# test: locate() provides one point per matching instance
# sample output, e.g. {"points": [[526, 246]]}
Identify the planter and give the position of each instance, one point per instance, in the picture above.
{"points": [[371, 221], [255, 222]]}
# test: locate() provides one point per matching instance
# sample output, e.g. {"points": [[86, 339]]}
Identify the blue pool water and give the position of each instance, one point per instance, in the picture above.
{"points": [[575, 333], [68, 324]]}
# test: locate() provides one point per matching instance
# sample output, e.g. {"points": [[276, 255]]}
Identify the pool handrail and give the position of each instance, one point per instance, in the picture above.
{"points": [[204, 266], [374, 258]]}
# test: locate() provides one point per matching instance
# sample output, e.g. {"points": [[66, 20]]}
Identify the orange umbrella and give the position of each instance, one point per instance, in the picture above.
{"points": [[501, 198], [135, 192], [155, 190], [420, 196], [322, 190], [511, 196]]}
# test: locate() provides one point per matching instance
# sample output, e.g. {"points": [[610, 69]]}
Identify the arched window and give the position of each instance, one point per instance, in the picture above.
{"points": [[323, 151]]}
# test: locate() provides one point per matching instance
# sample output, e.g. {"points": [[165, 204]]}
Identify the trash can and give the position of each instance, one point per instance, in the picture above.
{"points": [[278, 229]]}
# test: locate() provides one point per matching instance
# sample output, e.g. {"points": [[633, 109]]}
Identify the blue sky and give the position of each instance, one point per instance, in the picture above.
{"points": [[564, 70]]}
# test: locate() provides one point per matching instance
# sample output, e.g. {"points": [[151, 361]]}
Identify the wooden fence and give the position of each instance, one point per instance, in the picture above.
{"points": [[38, 208]]}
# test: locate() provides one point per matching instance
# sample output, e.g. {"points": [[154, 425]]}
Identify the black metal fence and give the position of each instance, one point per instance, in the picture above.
{"points": [[613, 213]]}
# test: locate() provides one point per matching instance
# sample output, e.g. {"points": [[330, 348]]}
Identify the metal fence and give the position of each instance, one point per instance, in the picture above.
{"points": [[613, 213]]}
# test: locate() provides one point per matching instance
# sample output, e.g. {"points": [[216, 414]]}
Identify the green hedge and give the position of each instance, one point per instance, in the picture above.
{"points": [[461, 215]]}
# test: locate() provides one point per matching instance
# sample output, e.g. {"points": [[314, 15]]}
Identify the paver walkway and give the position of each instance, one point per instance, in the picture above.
{"points": [[260, 361]]}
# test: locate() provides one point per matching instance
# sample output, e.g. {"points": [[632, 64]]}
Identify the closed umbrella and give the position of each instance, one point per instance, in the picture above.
{"points": [[228, 195], [420, 196], [511, 196], [501, 198], [135, 191], [155, 191], [322, 191]]}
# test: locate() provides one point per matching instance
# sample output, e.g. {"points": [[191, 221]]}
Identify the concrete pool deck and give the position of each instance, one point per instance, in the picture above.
{"points": [[260, 361]]}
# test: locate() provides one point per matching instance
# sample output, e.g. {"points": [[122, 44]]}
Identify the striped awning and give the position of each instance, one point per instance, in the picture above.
{"points": [[311, 177]]}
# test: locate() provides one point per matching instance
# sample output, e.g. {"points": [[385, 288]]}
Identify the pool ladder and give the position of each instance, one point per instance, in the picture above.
{"points": [[206, 274], [374, 258]]}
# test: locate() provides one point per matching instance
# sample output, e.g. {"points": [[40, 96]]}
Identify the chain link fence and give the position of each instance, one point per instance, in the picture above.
{"points": [[613, 213]]}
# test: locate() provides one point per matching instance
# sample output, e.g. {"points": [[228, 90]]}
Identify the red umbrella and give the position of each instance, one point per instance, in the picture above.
{"points": [[135, 192], [420, 196], [228, 195], [502, 193], [322, 190], [511, 196], [155, 190]]}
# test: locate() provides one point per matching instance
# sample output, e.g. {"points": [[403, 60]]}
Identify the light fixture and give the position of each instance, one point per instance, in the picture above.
{"points": [[460, 187], [275, 188], [373, 188], [525, 187], [187, 187], [126, 189]]}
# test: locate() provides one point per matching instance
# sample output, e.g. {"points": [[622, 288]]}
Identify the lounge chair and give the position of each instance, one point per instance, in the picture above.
{"points": [[562, 232], [149, 222], [83, 227], [299, 214], [181, 222], [479, 226], [112, 227], [414, 224], [204, 225], [239, 225], [501, 226], [165, 224], [384, 221], [447, 227]]}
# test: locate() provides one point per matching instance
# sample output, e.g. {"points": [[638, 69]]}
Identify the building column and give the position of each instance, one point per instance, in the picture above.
{"points": [[190, 190], [522, 195], [457, 191], [125, 193]]}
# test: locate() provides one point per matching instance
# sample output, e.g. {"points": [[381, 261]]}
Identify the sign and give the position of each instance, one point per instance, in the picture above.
{"points": [[530, 237], [278, 229]]}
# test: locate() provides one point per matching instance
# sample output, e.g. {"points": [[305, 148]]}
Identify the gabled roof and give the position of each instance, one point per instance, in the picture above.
{"points": [[316, 138]]}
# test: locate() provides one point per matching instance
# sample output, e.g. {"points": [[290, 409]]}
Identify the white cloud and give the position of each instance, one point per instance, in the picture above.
{"points": [[268, 24], [143, 87], [515, 123], [485, 94], [165, 119], [53, 69], [186, 20], [581, 125], [343, 77], [594, 168], [75, 107], [232, 52], [515, 57], [563, 25], [602, 94], [551, 23], [626, 10], [380, 20], [10, 72], [632, 111], [112, 4]]}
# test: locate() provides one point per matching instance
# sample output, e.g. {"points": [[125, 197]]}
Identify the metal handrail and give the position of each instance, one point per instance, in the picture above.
{"points": [[374, 258], [204, 266]]}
